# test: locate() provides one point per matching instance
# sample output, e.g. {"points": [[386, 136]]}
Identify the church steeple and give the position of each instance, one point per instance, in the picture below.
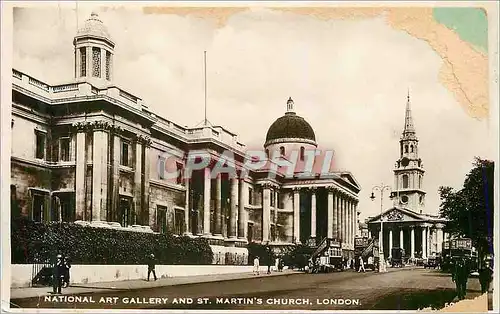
{"points": [[408, 174]]}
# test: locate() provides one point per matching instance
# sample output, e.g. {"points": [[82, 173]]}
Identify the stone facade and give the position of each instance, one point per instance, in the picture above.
{"points": [[93, 152]]}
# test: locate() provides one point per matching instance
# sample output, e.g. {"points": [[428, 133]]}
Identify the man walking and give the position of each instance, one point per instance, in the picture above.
{"points": [[151, 266], [256, 265], [67, 266], [485, 276], [58, 274], [460, 276], [361, 265]]}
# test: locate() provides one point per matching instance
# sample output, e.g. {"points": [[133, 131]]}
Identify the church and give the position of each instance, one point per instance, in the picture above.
{"points": [[95, 154], [406, 225]]}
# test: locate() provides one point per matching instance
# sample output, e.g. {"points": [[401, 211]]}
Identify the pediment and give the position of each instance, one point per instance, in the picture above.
{"points": [[347, 176], [397, 215]]}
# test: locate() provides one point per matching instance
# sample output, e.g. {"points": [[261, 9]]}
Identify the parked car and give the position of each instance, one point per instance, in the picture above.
{"points": [[431, 262]]}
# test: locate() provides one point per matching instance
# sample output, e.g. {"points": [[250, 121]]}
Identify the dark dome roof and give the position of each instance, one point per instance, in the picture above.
{"points": [[290, 126]]}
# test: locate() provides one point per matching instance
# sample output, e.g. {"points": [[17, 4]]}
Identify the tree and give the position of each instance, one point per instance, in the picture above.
{"points": [[470, 210]]}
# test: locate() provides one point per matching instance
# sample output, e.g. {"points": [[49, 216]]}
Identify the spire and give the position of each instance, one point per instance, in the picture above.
{"points": [[409, 128], [289, 106]]}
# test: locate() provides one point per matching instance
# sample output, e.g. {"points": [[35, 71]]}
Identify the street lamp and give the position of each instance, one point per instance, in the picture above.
{"points": [[381, 261]]}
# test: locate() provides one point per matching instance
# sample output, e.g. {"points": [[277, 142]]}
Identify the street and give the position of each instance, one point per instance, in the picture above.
{"points": [[408, 289]]}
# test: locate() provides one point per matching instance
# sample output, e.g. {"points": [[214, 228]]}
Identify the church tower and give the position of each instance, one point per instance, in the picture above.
{"points": [[94, 53], [409, 173]]}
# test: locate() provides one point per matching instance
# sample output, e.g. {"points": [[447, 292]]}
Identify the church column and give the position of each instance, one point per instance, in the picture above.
{"points": [[353, 223], [348, 220], [424, 239], [88, 72], [296, 215], [241, 209], [390, 242], [428, 243], [330, 218], [234, 208], [439, 238], [99, 172], [266, 212], [206, 202], [81, 164], [218, 206], [338, 208], [344, 219], [313, 213], [412, 242], [187, 207], [78, 57]]}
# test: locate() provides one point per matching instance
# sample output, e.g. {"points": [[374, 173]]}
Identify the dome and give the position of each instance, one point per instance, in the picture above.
{"points": [[290, 126], [94, 27]]}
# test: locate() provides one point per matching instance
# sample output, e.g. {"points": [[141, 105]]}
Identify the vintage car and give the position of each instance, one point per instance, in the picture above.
{"points": [[431, 262]]}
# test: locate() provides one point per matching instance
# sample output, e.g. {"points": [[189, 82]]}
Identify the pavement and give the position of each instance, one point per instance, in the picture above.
{"points": [[398, 289], [32, 292]]}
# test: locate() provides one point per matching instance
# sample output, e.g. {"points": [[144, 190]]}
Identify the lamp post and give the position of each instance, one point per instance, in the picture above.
{"points": [[381, 261]]}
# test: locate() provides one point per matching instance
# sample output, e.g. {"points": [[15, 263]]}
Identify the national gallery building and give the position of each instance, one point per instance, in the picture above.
{"points": [[92, 153]]}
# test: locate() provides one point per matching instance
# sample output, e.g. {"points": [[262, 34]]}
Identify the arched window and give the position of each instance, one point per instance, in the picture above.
{"points": [[282, 151], [406, 149], [419, 182], [411, 148], [405, 181], [302, 152]]}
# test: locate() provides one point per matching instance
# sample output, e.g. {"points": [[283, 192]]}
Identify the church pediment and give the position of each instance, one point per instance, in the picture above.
{"points": [[347, 176], [397, 215]]}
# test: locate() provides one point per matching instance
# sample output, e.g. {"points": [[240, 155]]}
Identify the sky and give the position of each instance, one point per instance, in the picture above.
{"points": [[348, 78]]}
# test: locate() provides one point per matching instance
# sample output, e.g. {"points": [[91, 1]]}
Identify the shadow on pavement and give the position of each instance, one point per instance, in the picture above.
{"points": [[413, 299]]}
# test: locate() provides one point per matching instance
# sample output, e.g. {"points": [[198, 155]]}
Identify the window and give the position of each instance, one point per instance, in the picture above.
{"points": [[40, 145], [250, 196], [180, 168], [161, 166], [83, 61], [161, 219], [125, 154], [96, 62], [125, 212], [38, 209], [273, 232], [404, 199], [108, 65], [179, 221], [419, 182], [411, 148], [272, 198], [282, 151], [250, 232], [405, 181], [406, 149], [64, 149], [421, 199], [302, 152]]}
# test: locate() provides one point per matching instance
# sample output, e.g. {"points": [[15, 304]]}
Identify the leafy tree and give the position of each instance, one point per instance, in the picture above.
{"points": [[470, 210]]}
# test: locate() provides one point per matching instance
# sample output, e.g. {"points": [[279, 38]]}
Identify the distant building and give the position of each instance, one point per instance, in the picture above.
{"points": [[92, 152], [405, 225]]}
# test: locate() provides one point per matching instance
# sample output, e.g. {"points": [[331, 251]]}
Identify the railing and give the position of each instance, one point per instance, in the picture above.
{"points": [[65, 88], [41, 272], [38, 84]]}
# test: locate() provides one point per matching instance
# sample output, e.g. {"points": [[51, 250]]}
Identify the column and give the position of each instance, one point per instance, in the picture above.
{"points": [[330, 217], [206, 202], [313, 213], [390, 242], [338, 205], [241, 209], [99, 174], [296, 215], [77, 63], [187, 207], [424, 239], [266, 212], [80, 176], [401, 238], [427, 243], [115, 197], [234, 208], [348, 221], [103, 63], [344, 220], [412, 242], [147, 173], [89, 62], [138, 181], [334, 209], [381, 241], [353, 221], [218, 206], [440, 239]]}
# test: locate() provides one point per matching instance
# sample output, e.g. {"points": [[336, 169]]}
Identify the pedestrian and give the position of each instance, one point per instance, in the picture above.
{"points": [[280, 265], [151, 266], [361, 265], [485, 276], [256, 265], [58, 274], [460, 276], [67, 266]]}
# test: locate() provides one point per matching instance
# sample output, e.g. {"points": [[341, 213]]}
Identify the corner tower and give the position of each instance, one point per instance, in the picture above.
{"points": [[94, 51], [409, 173]]}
